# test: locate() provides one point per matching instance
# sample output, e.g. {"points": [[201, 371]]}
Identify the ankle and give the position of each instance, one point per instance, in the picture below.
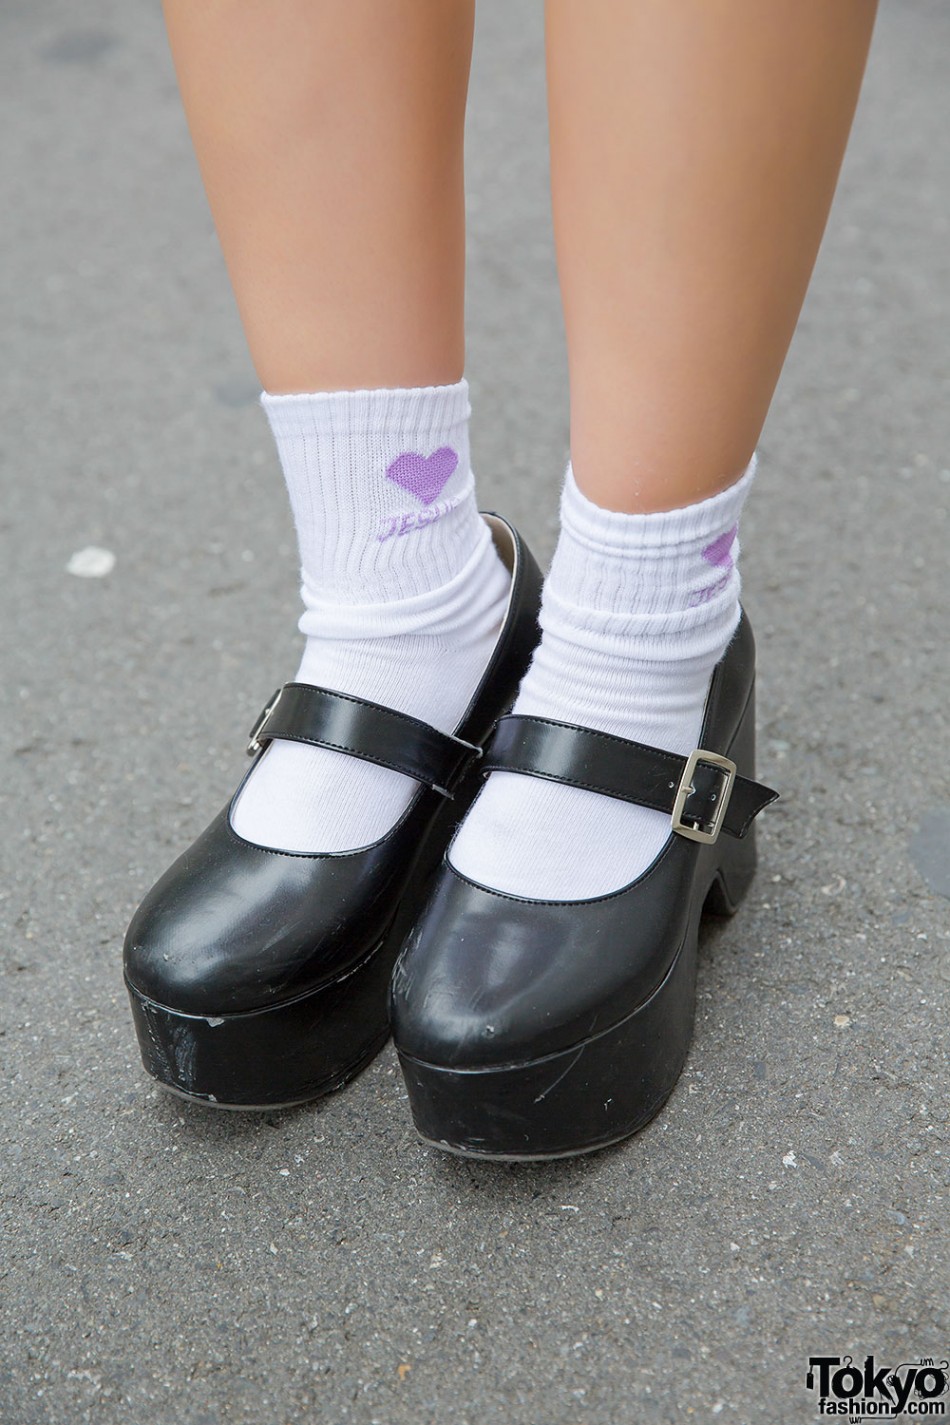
{"points": [[636, 612]]}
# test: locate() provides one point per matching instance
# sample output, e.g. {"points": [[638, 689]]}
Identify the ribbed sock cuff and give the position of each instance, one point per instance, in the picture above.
{"points": [[411, 411]]}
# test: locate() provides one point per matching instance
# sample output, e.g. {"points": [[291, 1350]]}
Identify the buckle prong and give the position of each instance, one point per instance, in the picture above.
{"points": [[473, 747], [687, 788], [254, 744], [474, 754]]}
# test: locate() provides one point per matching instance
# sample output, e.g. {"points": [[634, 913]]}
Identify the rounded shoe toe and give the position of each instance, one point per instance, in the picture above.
{"points": [[184, 949], [485, 979], [232, 927]]}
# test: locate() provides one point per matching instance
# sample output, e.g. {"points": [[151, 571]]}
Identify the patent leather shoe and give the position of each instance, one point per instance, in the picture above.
{"points": [[260, 977]]}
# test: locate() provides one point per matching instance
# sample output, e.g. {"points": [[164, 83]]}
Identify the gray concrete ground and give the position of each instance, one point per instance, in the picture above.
{"points": [[162, 1264]]}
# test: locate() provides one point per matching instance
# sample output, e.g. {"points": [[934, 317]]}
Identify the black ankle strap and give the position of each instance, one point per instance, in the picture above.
{"points": [[299, 712], [711, 799]]}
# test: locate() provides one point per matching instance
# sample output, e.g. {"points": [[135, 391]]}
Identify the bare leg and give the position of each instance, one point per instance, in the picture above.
{"points": [[330, 139], [695, 148], [330, 142]]}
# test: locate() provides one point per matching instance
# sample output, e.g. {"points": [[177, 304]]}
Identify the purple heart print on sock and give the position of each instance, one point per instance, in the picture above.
{"points": [[720, 551], [424, 476]]}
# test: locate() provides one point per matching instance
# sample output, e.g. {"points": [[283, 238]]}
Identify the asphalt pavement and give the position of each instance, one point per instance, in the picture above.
{"points": [[166, 1265]]}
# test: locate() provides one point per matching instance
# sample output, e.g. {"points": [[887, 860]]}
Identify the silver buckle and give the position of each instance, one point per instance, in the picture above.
{"points": [[254, 745], [686, 788]]}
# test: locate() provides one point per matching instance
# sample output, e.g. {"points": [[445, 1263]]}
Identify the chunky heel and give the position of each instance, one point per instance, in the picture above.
{"points": [[738, 857], [734, 877]]}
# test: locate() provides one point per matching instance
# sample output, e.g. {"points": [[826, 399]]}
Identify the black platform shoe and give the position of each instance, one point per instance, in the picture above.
{"points": [[261, 978], [540, 1029]]}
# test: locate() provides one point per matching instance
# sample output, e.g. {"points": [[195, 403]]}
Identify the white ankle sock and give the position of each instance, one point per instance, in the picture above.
{"points": [[404, 594], [637, 610]]}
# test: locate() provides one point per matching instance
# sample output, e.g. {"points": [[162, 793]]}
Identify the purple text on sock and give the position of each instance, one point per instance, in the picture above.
{"points": [[702, 596], [718, 553], [414, 520]]}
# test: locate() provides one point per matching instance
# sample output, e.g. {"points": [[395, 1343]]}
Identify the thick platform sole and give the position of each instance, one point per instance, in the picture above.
{"points": [[605, 1088], [301, 1049], [270, 1058]]}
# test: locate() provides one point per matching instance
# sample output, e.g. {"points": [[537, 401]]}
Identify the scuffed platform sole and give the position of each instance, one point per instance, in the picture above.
{"points": [[576, 1101], [209, 1101], [582, 1099], [271, 1058]]}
